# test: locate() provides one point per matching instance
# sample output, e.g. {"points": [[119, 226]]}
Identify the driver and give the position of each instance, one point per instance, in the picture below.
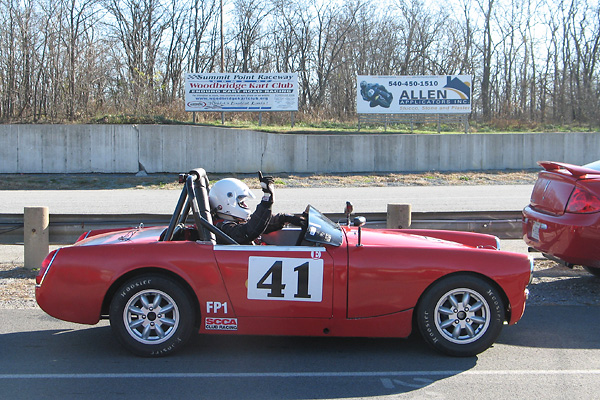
{"points": [[232, 215]]}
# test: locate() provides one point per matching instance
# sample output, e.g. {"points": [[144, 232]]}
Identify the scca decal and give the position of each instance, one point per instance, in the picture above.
{"points": [[220, 324]]}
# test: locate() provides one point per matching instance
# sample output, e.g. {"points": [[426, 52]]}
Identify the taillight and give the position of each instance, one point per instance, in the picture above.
{"points": [[582, 202], [46, 264]]}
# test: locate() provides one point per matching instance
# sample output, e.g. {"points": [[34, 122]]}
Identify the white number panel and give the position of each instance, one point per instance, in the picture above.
{"points": [[292, 279]]}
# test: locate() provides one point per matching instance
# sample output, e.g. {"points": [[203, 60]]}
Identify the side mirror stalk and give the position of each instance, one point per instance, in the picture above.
{"points": [[359, 222]]}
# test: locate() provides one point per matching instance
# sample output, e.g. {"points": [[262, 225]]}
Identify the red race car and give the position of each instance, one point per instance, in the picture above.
{"points": [[158, 285], [563, 218]]}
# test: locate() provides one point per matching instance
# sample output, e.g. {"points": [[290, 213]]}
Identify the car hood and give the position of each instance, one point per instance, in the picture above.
{"points": [[395, 238]]}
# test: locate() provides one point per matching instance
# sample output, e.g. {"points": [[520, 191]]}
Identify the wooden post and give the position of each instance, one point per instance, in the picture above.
{"points": [[398, 216], [35, 232]]}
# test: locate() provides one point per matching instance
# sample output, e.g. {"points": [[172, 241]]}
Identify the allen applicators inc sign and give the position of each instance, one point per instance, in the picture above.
{"points": [[413, 94]]}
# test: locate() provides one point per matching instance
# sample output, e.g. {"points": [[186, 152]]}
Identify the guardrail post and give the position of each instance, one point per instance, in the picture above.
{"points": [[398, 216], [35, 232]]}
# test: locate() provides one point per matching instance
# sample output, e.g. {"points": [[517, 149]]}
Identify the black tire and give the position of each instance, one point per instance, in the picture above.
{"points": [[136, 318], [461, 315], [593, 270]]}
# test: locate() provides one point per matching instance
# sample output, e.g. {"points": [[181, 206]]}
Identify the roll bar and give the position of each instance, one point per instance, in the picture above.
{"points": [[194, 197]]}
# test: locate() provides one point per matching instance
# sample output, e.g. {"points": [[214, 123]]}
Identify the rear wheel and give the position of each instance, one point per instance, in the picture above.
{"points": [[460, 315], [151, 315]]}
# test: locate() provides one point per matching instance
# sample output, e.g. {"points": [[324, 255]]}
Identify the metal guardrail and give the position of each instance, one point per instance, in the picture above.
{"points": [[66, 228]]}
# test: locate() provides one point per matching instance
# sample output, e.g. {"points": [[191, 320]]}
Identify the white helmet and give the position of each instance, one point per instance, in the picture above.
{"points": [[227, 198]]}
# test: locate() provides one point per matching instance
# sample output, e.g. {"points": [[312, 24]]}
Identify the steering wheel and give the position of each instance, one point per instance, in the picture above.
{"points": [[303, 229]]}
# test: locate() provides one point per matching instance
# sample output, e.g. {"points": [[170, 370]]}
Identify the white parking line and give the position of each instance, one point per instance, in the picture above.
{"points": [[196, 375]]}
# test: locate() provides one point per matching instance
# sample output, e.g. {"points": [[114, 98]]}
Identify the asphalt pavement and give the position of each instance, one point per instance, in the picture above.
{"points": [[293, 200], [553, 353]]}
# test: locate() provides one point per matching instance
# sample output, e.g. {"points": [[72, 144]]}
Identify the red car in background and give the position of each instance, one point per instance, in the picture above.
{"points": [[158, 285], [563, 218]]}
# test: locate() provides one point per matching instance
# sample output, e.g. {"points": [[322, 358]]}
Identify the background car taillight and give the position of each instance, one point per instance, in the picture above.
{"points": [[46, 264], [582, 202]]}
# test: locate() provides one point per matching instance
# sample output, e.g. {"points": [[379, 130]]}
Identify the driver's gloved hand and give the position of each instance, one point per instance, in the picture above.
{"points": [[295, 220], [267, 184]]}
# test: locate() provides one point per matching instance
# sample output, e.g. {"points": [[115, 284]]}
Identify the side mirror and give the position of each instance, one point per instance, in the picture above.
{"points": [[359, 221]]}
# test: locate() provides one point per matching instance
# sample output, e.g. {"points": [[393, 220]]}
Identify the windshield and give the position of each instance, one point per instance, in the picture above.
{"points": [[321, 229]]}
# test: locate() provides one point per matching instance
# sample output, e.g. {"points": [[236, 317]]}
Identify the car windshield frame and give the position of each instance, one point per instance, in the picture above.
{"points": [[321, 229]]}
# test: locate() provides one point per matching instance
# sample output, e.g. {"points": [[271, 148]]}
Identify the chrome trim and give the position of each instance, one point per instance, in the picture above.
{"points": [[37, 285], [531, 265], [268, 248], [497, 242]]}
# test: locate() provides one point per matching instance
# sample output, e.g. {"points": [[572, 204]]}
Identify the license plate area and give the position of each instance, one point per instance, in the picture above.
{"points": [[536, 227]]}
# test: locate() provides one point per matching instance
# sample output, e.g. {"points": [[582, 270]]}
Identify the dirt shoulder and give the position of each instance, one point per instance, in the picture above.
{"points": [[169, 181]]}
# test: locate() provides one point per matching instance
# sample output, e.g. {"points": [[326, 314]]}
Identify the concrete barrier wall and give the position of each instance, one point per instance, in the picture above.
{"points": [[164, 148]]}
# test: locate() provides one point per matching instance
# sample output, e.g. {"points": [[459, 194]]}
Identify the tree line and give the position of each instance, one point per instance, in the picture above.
{"points": [[74, 60]]}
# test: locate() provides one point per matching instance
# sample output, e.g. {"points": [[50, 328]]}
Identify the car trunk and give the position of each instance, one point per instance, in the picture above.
{"points": [[556, 183], [551, 192]]}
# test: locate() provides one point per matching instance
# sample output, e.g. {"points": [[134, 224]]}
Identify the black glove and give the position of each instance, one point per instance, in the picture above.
{"points": [[267, 184], [295, 220]]}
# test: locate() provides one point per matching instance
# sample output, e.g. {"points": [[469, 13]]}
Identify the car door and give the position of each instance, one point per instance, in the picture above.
{"points": [[277, 281]]}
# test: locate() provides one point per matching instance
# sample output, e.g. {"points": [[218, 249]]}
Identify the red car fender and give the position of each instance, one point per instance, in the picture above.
{"points": [[71, 280], [385, 279]]}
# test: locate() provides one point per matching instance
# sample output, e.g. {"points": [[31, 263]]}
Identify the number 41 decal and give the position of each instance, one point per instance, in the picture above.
{"points": [[292, 279]]}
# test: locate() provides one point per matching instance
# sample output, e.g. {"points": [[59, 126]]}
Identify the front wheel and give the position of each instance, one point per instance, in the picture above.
{"points": [[460, 315], [151, 315]]}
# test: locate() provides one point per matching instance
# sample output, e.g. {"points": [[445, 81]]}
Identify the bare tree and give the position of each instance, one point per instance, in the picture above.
{"points": [[8, 57], [585, 34], [139, 26], [532, 60], [249, 16], [487, 8], [201, 55], [79, 19]]}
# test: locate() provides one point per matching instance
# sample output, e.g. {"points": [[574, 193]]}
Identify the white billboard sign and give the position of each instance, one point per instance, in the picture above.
{"points": [[241, 92], [413, 94]]}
